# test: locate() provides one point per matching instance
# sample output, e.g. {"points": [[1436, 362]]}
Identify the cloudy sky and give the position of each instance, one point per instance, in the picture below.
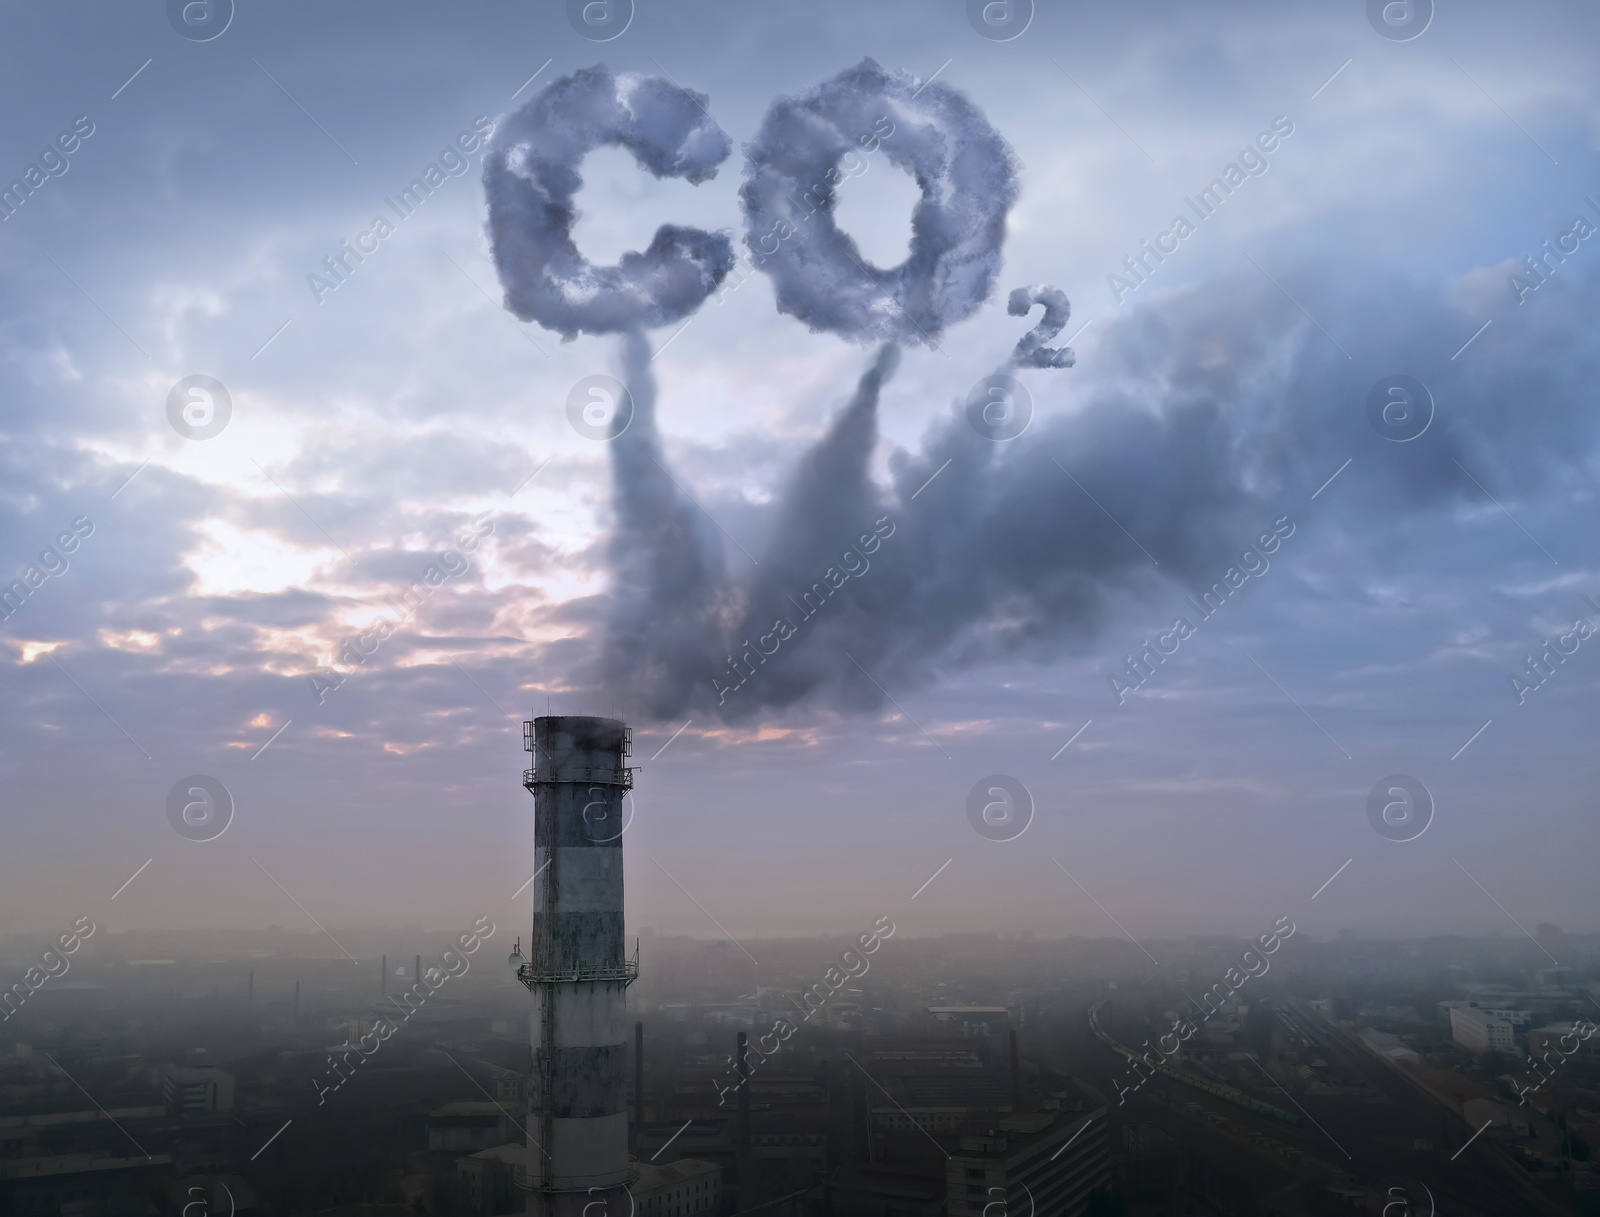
{"points": [[182, 189]]}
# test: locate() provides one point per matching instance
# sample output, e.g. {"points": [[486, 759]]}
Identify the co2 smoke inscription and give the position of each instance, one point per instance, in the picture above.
{"points": [[966, 171]]}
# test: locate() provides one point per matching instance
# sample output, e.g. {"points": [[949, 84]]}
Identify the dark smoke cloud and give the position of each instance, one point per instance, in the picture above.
{"points": [[669, 582], [809, 143], [1208, 414], [531, 176], [830, 503]]}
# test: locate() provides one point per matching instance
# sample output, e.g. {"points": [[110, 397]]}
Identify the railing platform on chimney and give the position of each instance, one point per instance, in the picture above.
{"points": [[532, 976], [622, 777]]}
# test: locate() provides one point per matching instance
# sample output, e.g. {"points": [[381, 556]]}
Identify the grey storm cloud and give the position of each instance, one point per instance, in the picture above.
{"points": [[1208, 414]]}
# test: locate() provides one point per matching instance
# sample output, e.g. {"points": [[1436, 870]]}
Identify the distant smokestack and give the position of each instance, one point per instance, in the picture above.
{"points": [[297, 1001], [746, 1183], [638, 1078], [1016, 1073], [250, 989], [577, 969], [416, 973], [861, 1105], [383, 977]]}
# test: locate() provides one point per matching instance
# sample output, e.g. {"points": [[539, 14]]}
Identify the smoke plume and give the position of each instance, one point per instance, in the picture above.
{"points": [[1207, 414], [669, 581]]}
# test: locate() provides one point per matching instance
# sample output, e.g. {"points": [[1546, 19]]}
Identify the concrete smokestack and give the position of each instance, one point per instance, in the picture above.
{"points": [[383, 977], [576, 968]]}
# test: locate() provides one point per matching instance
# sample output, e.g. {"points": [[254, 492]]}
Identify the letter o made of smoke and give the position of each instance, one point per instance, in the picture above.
{"points": [[530, 176], [958, 225]]}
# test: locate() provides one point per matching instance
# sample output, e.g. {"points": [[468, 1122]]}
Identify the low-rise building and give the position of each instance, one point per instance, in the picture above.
{"points": [[1562, 1040], [467, 1127], [194, 1089], [47, 1184], [1519, 1018], [973, 1020], [1478, 1030], [486, 1181], [1388, 1046], [781, 1162], [1152, 1165], [1042, 1163], [864, 1191], [1556, 978], [685, 1188]]}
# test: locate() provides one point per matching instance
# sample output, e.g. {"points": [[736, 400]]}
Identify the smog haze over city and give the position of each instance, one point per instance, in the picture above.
{"points": [[1030, 564]]}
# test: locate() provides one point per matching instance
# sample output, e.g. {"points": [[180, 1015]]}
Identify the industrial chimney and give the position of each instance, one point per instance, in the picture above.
{"points": [[577, 969]]}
